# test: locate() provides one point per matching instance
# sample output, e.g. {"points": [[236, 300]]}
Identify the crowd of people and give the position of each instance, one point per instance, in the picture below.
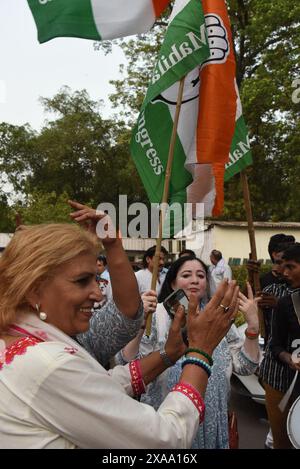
{"points": [[78, 370]]}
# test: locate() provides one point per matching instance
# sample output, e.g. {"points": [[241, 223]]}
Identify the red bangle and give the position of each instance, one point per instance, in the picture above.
{"points": [[137, 383], [251, 335], [194, 395]]}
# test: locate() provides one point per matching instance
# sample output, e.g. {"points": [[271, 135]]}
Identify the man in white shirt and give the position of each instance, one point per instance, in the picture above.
{"points": [[103, 279], [218, 271], [144, 276]]}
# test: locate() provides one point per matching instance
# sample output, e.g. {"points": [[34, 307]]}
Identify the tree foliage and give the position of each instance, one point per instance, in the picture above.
{"points": [[42, 207], [76, 155]]}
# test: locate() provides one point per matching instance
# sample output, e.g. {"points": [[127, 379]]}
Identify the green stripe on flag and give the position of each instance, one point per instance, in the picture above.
{"points": [[185, 47], [240, 153], [69, 18], [150, 148]]}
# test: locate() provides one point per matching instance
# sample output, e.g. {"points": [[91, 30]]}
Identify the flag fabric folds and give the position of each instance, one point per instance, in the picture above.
{"points": [[211, 132], [94, 19], [185, 47]]}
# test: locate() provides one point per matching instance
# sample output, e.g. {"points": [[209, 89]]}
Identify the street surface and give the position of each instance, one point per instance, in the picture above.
{"points": [[252, 420]]}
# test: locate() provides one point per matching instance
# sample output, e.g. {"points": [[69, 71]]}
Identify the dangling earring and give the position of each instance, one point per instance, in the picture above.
{"points": [[42, 315]]}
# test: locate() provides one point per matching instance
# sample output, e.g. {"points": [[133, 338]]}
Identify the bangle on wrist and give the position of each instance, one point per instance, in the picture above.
{"points": [[137, 383], [193, 394], [165, 358], [198, 362], [251, 335], [200, 352]]}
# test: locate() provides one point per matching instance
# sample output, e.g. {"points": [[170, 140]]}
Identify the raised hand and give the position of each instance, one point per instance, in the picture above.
{"points": [[95, 221], [248, 306], [175, 346], [149, 299], [206, 328]]}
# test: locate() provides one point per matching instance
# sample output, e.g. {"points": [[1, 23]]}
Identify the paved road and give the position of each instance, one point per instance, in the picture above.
{"points": [[252, 421]]}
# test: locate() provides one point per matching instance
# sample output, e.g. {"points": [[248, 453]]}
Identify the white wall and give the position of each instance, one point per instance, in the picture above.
{"points": [[234, 241]]}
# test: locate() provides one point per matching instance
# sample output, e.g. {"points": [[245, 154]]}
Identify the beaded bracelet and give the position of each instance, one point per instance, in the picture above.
{"points": [[251, 335], [200, 352], [197, 361]]}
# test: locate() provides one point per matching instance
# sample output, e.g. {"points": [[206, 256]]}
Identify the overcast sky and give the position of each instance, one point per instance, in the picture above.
{"points": [[29, 70]]}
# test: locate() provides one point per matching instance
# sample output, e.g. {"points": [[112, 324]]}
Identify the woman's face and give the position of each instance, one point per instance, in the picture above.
{"points": [[69, 296], [191, 278]]}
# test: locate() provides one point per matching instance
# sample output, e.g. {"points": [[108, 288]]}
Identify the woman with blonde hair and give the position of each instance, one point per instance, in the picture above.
{"points": [[53, 393]]}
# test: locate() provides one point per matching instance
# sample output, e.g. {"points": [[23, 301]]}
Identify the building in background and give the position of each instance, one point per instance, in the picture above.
{"points": [[231, 238]]}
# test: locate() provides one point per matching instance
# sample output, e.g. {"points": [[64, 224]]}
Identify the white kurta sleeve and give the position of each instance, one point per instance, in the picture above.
{"points": [[242, 364], [77, 399]]}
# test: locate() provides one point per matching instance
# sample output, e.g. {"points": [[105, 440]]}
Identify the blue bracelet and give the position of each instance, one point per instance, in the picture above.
{"points": [[197, 361]]}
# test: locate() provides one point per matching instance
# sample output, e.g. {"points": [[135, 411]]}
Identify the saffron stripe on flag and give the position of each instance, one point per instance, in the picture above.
{"points": [[159, 6]]}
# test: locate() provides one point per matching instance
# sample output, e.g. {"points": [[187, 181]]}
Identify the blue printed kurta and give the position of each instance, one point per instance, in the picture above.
{"points": [[228, 356]]}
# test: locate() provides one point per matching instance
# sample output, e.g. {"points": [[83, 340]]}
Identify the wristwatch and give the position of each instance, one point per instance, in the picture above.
{"points": [[163, 355]]}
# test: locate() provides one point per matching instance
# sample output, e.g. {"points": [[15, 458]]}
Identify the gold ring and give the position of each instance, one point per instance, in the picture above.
{"points": [[226, 308]]}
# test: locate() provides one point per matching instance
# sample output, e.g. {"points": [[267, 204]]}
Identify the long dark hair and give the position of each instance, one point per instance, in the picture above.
{"points": [[166, 288]]}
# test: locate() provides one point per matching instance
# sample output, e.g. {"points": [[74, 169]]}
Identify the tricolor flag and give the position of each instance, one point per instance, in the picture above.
{"points": [[94, 19], [223, 147], [240, 153], [210, 131]]}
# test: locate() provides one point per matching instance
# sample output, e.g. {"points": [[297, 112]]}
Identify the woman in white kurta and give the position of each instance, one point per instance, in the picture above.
{"points": [[53, 394], [232, 353]]}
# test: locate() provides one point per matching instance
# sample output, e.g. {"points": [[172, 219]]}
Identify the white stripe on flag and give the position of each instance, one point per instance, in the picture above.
{"points": [[178, 6], [117, 18]]}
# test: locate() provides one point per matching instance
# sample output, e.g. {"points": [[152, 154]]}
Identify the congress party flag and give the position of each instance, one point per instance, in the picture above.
{"points": [[211, 132], [240, 151], [94, 19], [185, 47], [218, 104]]}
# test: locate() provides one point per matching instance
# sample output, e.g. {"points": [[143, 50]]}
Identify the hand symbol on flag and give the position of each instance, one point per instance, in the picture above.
{"points": [[217, 39]]}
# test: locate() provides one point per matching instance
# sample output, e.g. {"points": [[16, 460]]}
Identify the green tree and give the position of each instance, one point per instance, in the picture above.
{"points": [[267, 44], [41, 207], [16, 144], [76, 153], [7, 216]]}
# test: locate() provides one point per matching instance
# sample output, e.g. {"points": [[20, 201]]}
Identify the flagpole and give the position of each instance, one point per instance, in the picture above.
{"points": [[165, 197], [253, 253], [18, 220]]}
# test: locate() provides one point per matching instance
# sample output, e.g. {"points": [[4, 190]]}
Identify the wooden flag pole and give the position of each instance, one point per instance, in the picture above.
{"points": [[253, 253], [18, 220], [165, 196]]}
